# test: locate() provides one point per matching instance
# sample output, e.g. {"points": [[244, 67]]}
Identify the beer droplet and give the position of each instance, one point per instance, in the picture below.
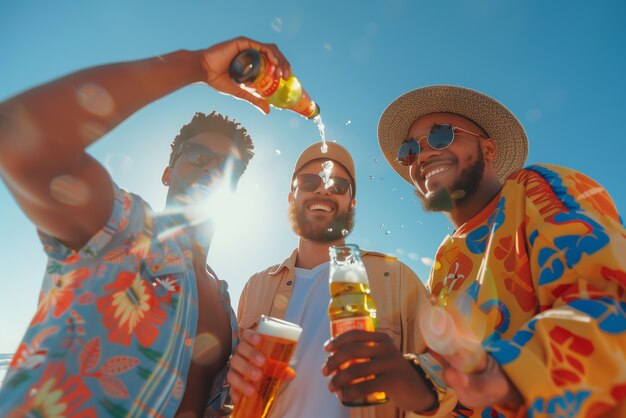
{"points": [[371, 177], [345, 232], [277, 24], [349, 122], [277, 152], [387, 232], [94, 99], [329, 230], [69, 190], [328, 46]]}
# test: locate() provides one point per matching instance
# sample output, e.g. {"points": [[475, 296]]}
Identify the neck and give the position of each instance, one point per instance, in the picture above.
{"points": [[314, 253], [465, 211], [199, 253]]}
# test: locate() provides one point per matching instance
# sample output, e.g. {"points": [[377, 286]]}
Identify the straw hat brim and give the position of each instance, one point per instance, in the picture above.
{"points": [[495, 119]]}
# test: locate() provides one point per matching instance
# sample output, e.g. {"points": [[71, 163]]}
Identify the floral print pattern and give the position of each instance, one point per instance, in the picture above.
{"points": [[113, 332], [551, 298]]}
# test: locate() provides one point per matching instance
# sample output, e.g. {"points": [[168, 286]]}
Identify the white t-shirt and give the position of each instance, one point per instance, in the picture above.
{"points": [[307, 396]]}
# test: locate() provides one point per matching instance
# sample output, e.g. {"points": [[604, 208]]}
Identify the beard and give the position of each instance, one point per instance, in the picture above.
{"points": [[313, 231], [445, 199]]}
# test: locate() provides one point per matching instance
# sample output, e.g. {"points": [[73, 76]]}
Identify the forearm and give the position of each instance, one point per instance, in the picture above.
{"points": [[70, 113]]}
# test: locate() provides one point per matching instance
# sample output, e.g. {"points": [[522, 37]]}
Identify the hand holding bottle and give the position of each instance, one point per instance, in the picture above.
{"points": [[216, 60]]}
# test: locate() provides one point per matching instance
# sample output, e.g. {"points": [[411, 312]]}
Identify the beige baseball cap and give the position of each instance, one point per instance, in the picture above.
{"points": [[335, 152]]}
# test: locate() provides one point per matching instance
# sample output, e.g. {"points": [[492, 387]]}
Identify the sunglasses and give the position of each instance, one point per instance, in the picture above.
{"points": [[439, 138], [201, 156], [310, 183]]}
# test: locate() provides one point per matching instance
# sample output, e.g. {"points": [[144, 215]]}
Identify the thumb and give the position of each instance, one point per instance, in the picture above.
{"points": [[456, 378], [289, 374]]}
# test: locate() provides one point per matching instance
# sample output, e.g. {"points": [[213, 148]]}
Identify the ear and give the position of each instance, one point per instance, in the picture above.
{"points": [[489, 149], [290, 197], [352, 203], [165, 178]]}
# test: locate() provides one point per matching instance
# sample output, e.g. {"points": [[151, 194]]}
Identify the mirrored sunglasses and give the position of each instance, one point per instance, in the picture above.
{"points": [[439, 137], [311, 182]]}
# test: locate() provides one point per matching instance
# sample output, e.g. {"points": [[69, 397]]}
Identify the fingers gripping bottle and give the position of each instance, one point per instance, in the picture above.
{"points": [[257, 74], [351, 305]]}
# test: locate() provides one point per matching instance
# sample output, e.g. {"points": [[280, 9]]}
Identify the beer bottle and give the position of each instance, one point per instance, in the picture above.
{"points": [[351, 305], [257, 74]]}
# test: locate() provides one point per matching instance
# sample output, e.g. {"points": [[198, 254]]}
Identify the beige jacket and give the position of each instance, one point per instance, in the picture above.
{"points": [[396, 289]]}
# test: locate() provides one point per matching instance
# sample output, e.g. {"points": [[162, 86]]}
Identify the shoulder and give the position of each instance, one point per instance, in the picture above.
{"points": [[274, 271]]}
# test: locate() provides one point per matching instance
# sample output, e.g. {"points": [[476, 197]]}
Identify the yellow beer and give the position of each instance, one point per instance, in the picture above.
{"points": [[351, 305], [278, 343]]}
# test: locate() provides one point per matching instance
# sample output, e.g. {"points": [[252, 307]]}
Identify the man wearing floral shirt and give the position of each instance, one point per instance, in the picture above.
{"points": [[531, 285], [130, 321]]}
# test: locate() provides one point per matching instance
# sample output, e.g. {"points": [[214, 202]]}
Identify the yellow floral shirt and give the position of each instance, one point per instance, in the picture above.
{"points": [[543, 267]]}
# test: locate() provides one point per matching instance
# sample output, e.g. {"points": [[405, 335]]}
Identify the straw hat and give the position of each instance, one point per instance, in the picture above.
{"points": [[495, 119], [335, 152]]}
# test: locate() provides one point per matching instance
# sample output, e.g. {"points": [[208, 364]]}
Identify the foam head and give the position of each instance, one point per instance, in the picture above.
{"points": [[278, 328]]}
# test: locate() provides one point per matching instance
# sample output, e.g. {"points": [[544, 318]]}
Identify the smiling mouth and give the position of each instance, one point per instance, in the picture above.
{"points": [[320, 207], [428, 172]]}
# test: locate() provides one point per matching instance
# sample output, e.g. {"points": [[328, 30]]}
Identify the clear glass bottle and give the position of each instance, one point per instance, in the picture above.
{"points": [[256, 73], [351, 305]]}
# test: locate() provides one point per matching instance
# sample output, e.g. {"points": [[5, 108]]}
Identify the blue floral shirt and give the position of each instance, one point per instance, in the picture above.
{"points": [[115, 325]]}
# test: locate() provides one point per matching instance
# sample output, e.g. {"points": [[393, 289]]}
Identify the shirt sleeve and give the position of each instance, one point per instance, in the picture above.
{"points": [[569, 358]]}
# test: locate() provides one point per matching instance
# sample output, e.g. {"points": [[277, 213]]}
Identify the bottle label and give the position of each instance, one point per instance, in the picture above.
{"points": [[267, 84], [305, 106], [339, 326]]}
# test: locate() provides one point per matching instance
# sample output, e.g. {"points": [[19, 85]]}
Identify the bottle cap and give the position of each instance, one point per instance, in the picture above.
{"points": [[245, 67]]}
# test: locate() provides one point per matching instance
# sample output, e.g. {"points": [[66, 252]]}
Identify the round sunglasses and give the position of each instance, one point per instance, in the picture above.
{"points": [[439, 137], [310, 183], [201, 156]]}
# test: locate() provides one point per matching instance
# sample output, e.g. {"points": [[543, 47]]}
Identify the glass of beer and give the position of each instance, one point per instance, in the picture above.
{"points": [[278, 343]]}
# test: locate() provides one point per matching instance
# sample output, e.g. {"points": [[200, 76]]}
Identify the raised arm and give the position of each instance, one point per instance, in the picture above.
{"points": [[44, 131]]}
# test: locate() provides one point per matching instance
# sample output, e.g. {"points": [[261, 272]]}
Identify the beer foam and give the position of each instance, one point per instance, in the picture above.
{"points": [[278, 328], [351, 274]]}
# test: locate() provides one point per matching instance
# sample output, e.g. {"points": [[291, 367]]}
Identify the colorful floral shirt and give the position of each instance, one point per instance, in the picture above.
{"points": [[542, 271], [115, 325]]}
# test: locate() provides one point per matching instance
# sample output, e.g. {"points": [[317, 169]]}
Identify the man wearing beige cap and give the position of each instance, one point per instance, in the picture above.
{"points": [[533, 279], [297, 290]]}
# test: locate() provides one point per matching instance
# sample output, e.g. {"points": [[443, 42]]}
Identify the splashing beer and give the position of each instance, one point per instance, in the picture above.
{"points": [[278, 343]]}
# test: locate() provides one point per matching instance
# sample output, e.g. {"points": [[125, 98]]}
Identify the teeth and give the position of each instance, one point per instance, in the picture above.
{"points": [[322, 207], [435, 171]]}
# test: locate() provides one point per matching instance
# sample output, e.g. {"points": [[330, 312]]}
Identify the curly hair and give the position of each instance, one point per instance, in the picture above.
{"points": [[214, 122]]}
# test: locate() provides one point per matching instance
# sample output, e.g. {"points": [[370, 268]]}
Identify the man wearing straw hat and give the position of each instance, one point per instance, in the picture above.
{"points": [[297, 290], [534, 272]]}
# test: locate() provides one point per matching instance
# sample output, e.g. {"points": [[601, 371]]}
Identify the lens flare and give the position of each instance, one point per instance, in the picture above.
{"points": [[69, 190], [95, 99]]}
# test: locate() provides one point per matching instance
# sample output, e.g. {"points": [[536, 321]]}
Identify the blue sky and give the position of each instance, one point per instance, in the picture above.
{"points": [[558, 65]]}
